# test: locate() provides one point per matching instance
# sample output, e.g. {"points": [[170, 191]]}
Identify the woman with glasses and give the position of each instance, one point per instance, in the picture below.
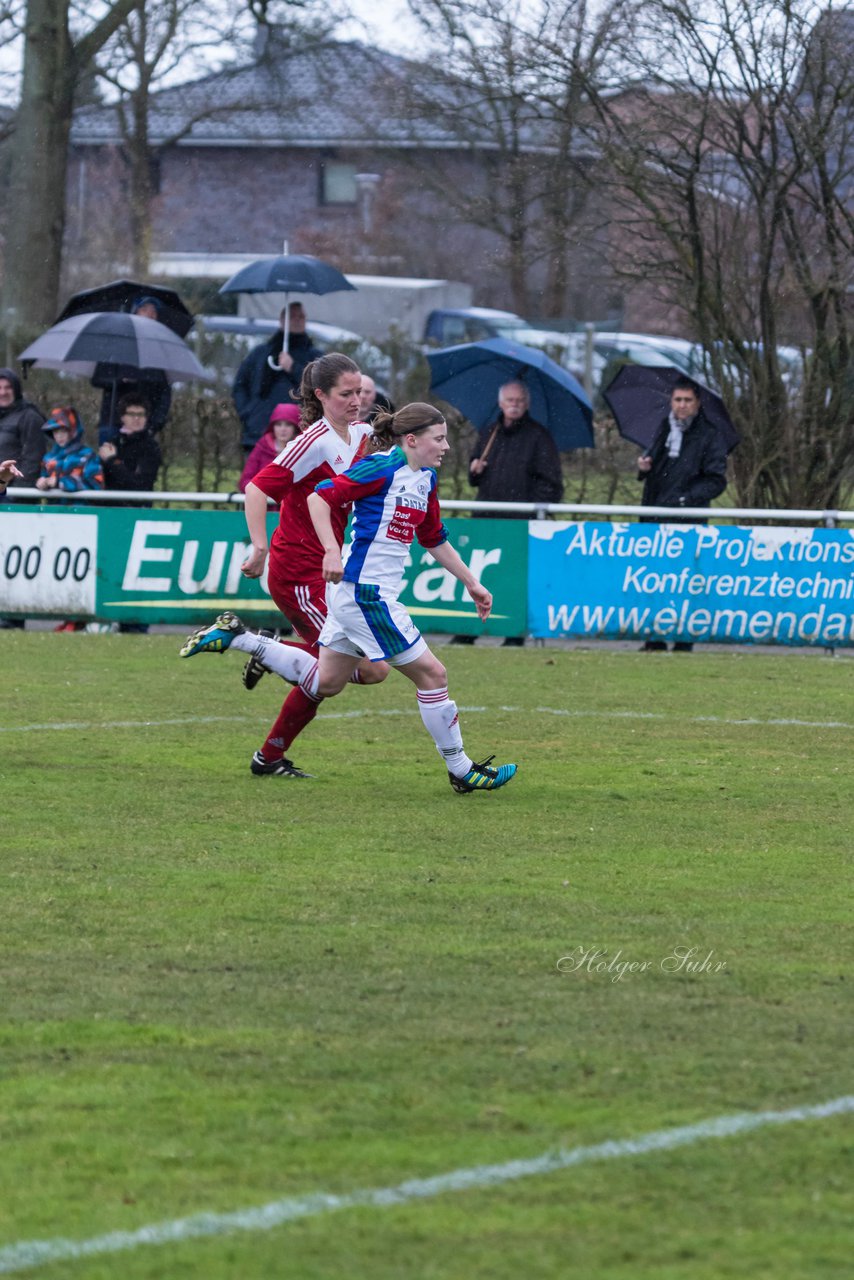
{"points": [[131, 460]]}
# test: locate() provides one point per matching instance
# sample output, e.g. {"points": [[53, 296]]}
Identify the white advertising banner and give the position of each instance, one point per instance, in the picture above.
{"points": [[48, 562]]}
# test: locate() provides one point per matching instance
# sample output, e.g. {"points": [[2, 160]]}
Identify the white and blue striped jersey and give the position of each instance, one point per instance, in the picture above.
{"points": [[392, 504]]}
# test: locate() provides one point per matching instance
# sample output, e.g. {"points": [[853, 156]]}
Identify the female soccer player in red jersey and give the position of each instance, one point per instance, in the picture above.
{"points": [[331, 439]]}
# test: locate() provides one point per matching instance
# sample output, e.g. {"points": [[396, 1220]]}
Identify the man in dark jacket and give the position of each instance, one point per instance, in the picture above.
{"points": [[121, 381], [270, 375], [21, 435], [686, 466], [515, 460]]}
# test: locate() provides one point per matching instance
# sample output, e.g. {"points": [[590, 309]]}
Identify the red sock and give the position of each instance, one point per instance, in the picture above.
{"points": [[297, 711]]}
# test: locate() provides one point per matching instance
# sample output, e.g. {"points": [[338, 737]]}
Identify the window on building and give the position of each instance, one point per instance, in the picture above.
{"points": [[338, 183]]}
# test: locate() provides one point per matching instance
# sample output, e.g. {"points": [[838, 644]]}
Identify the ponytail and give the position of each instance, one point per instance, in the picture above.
{"points": [[388, 428]]}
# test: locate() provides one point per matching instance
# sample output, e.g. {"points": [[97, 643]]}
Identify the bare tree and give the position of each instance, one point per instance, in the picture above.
{"points": [[732, 152], [179, 43], [494, 90], [54, 62], [152, 45]]}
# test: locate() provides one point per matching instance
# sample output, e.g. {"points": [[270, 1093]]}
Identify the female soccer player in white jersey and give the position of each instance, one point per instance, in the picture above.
{"points": [[330, 440], [394, 499]]}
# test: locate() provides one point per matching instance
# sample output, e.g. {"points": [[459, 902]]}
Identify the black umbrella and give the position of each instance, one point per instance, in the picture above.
{"points": [[118, 340], [288, 273], [639, 398], [125, 295]]}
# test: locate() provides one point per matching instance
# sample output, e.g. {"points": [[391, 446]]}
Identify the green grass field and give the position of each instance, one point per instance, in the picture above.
{"points": [[222, 991]]}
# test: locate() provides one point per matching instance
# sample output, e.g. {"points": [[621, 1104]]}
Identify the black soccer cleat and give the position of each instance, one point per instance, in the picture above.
{"points": [[281, 768], [255, 669]]}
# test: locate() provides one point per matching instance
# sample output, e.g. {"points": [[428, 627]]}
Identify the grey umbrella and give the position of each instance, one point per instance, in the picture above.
{"points": [[117, 342], [80, 342]]}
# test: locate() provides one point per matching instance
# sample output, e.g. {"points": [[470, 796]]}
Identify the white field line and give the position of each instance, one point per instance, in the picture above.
{"points": [[28, 1254], [82, 725]]}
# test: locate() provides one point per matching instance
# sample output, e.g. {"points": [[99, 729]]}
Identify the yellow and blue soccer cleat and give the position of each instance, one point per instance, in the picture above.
{"points": [[214, 638], [483, 777]]}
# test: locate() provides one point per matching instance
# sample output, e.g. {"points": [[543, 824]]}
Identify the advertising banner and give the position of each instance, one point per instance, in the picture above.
{"points": [[140, 565], [691, 582], [48, 563]]}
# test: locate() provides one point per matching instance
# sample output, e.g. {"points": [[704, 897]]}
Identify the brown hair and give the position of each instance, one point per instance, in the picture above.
{"points": [[412, 418], [321, 374]]}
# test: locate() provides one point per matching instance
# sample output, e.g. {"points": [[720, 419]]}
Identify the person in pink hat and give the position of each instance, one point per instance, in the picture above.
{"points": [[281, 429]]}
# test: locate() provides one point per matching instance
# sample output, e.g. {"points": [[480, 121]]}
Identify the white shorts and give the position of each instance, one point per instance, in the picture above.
{"points": [[364, 625]]}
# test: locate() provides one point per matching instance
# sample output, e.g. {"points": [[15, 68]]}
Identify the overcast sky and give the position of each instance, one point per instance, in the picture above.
{"points": [[386, 22]]}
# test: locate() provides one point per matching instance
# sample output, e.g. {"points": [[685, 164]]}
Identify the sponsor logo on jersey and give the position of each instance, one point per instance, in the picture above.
{"points": [[401, 527]]}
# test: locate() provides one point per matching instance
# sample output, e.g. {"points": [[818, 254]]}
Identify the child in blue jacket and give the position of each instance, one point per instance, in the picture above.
{"points": [[69, 464]]}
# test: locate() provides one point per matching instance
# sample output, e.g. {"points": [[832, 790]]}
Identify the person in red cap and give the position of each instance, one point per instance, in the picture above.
{"points": [[281, 429]]}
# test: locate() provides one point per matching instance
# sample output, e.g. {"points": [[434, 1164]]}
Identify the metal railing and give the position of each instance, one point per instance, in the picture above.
{"points": [[121, 497]]}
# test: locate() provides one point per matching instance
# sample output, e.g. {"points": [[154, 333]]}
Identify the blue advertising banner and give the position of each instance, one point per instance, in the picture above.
{"points": [[691, 582]]}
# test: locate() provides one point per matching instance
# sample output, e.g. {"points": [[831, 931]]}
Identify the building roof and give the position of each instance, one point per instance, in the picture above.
{"points": [[335, 94]]}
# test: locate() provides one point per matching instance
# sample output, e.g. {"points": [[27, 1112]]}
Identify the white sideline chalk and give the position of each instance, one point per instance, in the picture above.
{"points": [[362, 712], [34, 1253]]}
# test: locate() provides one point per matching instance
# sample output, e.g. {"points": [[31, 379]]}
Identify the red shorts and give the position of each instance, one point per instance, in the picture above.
{"points": [[302, 603]]}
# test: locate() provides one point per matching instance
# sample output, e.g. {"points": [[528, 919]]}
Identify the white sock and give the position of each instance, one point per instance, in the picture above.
{"points": [[442, 722], [309, 682], [286, 660]]}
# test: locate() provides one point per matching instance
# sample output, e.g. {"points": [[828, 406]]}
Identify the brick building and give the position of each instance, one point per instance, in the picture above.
{"points": [[329, 149]]}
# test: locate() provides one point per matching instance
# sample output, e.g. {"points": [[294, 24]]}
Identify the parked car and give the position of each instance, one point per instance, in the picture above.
{"points": [[650, 349], [227, 340]]}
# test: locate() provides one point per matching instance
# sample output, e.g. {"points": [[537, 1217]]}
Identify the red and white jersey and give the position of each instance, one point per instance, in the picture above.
{"points": [[318, 454]]}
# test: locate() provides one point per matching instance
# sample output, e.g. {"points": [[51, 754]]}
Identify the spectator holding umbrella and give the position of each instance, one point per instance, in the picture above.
{"points": [[150, 385], [685, 466], [272, 372], [515, 460]]}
